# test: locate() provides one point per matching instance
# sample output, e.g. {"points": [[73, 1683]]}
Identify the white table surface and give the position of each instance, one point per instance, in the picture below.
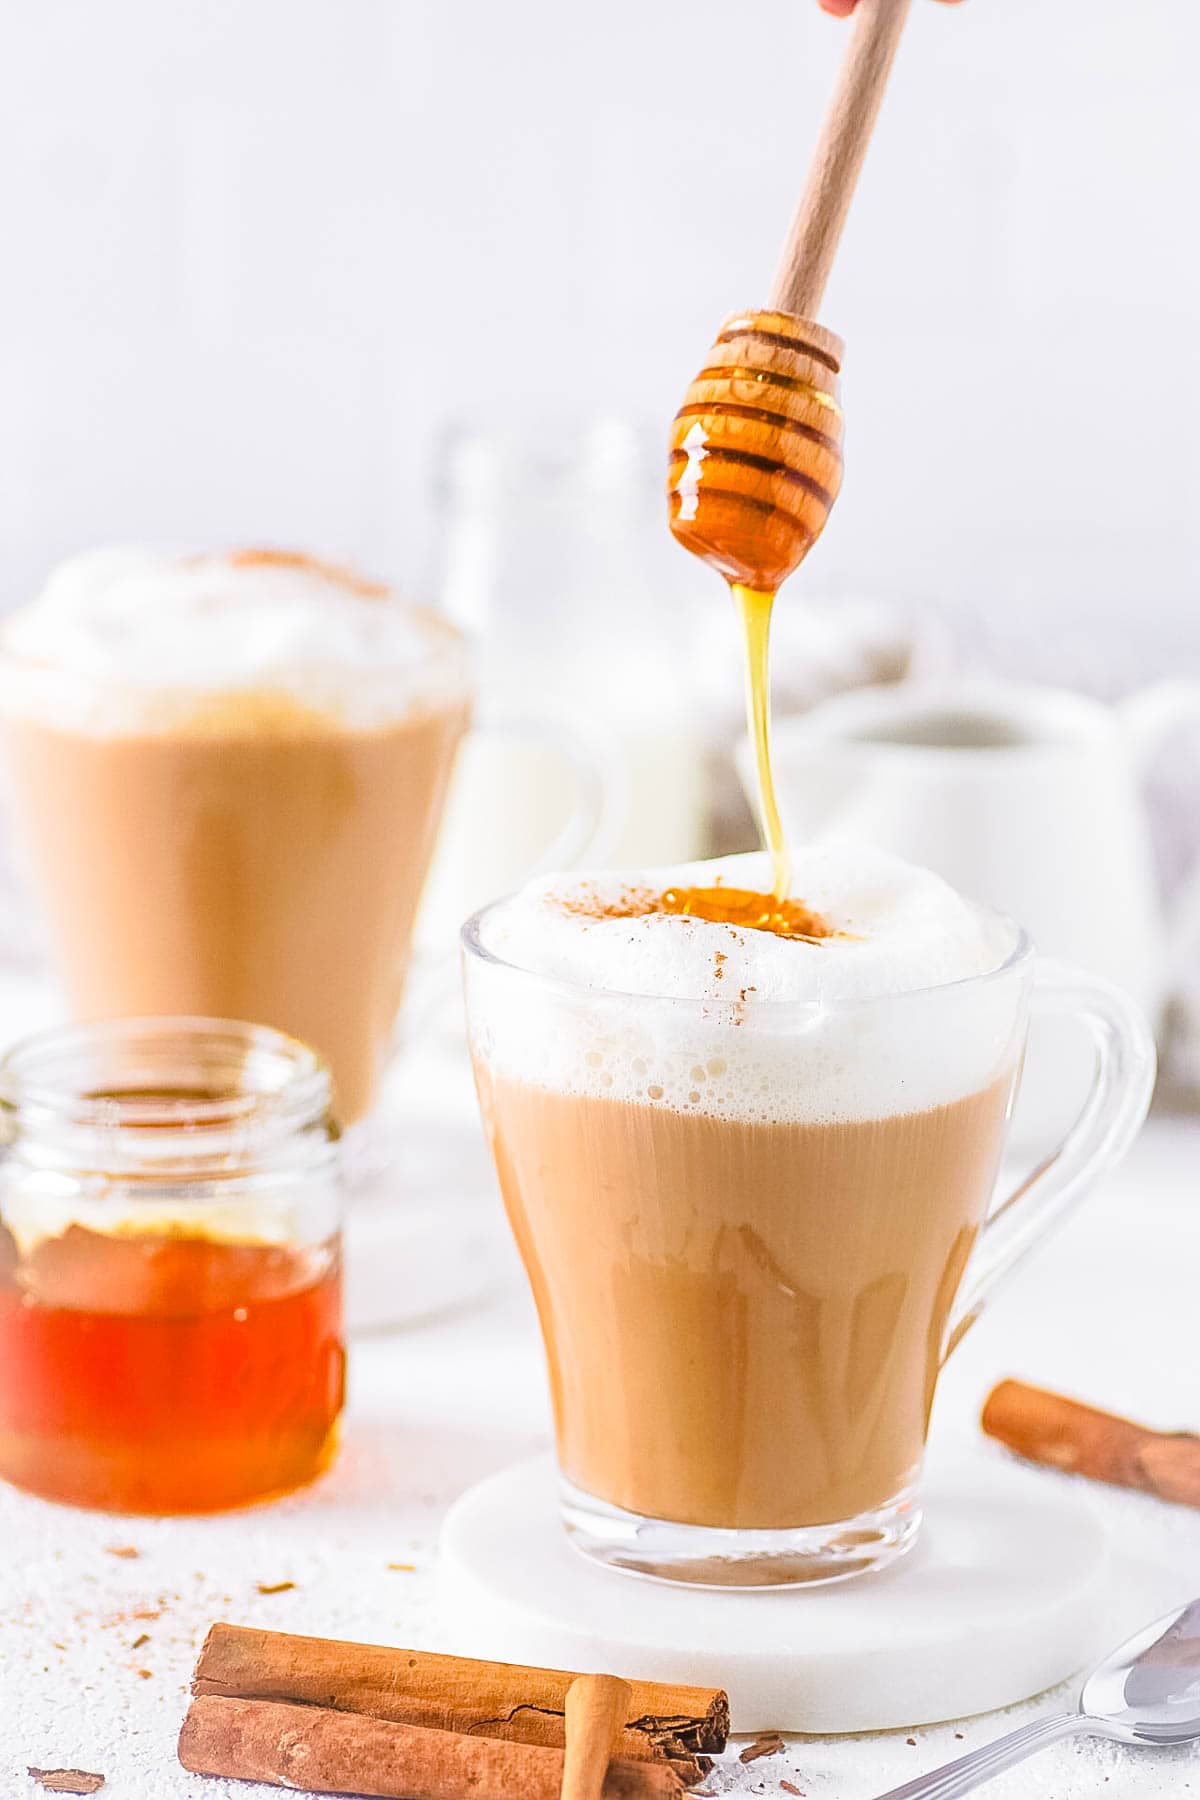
{"points": [[1109, 1311]]}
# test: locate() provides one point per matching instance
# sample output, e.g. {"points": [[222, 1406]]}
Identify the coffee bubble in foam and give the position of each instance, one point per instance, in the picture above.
{"points": [[129, 638], [665, 1009]]}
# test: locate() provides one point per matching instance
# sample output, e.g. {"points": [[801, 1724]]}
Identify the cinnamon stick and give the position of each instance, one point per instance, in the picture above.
{"points": [[451, 1693], [596, 1709], [1064, 1434], [317, 1750]]}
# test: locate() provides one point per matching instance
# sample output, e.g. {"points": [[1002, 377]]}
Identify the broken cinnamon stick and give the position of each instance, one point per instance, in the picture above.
{"points": [[596, 1709], [66, 1781], [450, 1693], [317, 1750], [1065, 1434]]}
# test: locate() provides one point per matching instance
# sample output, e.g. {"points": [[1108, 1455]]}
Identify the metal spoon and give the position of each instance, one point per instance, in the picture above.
{"points": [[1147, 1692]]}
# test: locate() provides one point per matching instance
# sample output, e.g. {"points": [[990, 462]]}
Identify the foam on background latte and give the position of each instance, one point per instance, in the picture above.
{"points": [[722, 1042], [125, 637]]}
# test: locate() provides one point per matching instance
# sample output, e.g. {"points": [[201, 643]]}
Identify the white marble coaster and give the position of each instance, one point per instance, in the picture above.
{"points": [[1004, 1595]]}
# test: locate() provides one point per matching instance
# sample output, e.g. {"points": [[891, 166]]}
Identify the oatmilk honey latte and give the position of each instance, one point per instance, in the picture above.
{"points": [[746, 1146], [227, 774]]}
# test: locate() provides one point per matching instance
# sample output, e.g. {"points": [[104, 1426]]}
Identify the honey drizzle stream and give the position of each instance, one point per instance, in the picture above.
{"points": [[755, 608]]}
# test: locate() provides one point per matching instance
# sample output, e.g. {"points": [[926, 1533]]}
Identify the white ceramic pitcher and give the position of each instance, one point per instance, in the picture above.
{"points": [[1027, 798]]}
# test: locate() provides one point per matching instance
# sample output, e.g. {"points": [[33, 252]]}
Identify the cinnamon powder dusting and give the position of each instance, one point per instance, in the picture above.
{"points": [[716, 905], [336, 573]]}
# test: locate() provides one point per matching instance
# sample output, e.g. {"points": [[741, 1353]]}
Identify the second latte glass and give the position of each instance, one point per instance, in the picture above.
{"points": [[228, 774]]}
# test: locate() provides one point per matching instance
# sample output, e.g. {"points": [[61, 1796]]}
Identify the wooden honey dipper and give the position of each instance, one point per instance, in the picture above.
{"points": [[596, 1708], [756, 447]]}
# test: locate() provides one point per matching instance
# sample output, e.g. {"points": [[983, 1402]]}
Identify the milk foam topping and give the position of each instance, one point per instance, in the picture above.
{"points": [[736, 1051], [117, 632]]}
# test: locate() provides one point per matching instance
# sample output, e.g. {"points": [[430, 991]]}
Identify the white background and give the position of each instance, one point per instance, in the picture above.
{"points": [[260, 255]]}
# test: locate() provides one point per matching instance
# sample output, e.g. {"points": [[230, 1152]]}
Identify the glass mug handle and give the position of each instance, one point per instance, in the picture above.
{"points": [[599, 777], [434, 980], [1107, 1124]]}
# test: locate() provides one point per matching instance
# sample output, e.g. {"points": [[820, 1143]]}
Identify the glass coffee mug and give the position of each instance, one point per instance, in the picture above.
{"points": [[751, 1256], [227, 775]]}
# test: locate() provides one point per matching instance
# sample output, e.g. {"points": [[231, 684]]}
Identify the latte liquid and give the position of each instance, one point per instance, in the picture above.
{"points": [[743, 1323], [269, 872]]}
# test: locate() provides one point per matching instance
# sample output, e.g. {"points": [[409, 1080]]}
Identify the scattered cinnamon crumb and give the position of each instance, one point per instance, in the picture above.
{"points": [[769, 1744], [126, 1550], [790, 1788], [274, 1587], [147, 1612], [959, 1736], [407, 1568], [139, 1641], [67, 1781], [144, 1674], [911, 1741]]}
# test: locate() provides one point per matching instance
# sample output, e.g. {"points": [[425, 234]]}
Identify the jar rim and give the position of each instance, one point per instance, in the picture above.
{"points": [[241, 1075]]}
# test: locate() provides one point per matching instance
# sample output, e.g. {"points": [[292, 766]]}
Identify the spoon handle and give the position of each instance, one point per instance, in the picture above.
{"points": [[956, 1778]]}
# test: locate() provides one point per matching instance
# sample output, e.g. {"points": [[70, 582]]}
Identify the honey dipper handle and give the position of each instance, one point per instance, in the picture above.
{"points": [[596, 1708], [817, 226]]}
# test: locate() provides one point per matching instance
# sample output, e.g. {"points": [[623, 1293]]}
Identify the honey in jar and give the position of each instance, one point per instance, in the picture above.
{"points": [[170, 1284]]}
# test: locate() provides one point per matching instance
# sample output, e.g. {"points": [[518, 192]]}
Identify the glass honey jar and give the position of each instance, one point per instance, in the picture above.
{"points": [[170, 1269]]}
